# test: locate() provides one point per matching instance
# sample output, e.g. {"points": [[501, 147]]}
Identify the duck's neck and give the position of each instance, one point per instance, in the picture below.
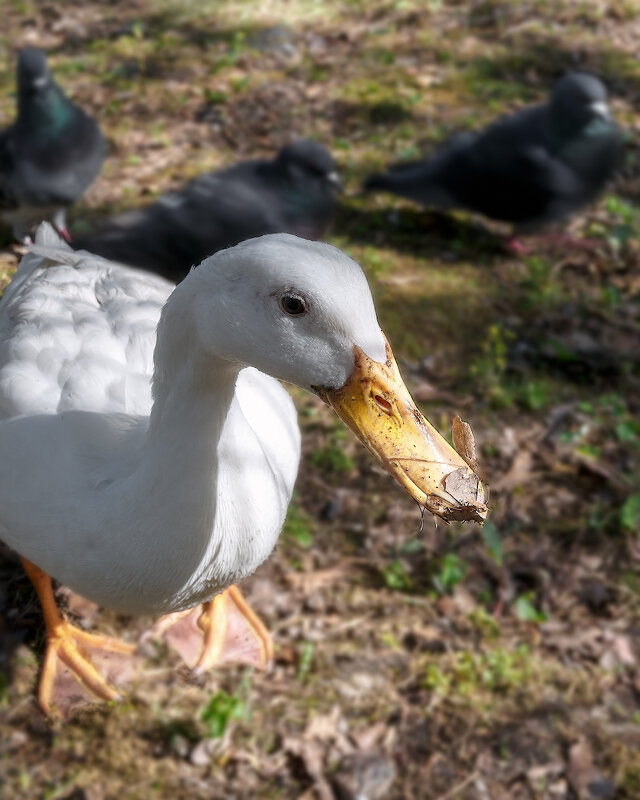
{"points": [[178, 468], [189, 386]]}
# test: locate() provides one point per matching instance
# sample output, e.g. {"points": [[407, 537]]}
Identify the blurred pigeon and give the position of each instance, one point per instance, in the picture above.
{"points": [[51, 153], [292, 193], [532, 168]]}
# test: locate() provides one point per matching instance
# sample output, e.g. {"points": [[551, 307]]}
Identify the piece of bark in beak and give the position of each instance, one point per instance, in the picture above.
{"points": [[376, 405]]}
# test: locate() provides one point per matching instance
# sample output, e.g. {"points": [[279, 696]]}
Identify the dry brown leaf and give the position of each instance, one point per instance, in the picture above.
{"points": [[365, 775], [518, 474], [465, 487], [368, 736], [310, 753], [324, 727], [464, 600], [464, 441], [619, 651], [585, 780], [309, 582]]}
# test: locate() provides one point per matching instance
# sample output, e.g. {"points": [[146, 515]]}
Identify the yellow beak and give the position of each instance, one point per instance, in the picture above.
{"points": [[377, 406]]}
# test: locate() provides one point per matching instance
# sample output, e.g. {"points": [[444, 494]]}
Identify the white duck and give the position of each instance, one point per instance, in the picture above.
{"points": [[163, 507]]}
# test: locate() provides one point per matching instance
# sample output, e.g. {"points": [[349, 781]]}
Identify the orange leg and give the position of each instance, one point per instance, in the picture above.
{"points": [[65, 643], [223, 630]]}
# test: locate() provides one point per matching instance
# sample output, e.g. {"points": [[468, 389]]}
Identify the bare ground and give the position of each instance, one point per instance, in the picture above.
{"points": [[410, 662]]}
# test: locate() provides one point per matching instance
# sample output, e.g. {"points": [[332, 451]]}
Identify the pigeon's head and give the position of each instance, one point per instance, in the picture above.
{"points": [[33, 72], [308, 160], [577, 100]]}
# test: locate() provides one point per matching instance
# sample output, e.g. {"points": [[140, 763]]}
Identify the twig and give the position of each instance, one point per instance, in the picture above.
{"points": [[457, 789]]}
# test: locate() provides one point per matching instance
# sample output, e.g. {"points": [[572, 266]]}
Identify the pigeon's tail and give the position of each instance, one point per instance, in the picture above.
{"points": [[377, 183], [413, 181], [117, 239]]}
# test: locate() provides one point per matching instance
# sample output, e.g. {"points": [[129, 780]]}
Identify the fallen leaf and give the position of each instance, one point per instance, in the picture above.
{"points": [[464, 441], [583, 776], [518, 474], [310, 753], [364, 776]]}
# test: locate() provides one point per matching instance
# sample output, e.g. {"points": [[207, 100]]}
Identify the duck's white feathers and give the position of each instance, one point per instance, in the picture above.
{"points": [[77, 334], [136, 531]]}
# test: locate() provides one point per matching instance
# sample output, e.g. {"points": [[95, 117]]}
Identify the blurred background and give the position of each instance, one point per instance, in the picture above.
{"points": [[413, 660]]}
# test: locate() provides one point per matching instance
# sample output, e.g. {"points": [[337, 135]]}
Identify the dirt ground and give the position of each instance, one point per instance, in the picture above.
{"points": [[412, 661]]}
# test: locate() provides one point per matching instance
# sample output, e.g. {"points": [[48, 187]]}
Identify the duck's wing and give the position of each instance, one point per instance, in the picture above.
{"points": [[77, 333]]}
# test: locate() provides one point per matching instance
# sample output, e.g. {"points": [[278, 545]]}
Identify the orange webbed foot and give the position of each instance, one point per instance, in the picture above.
{"points": [[68, 677], [70, 647], [221, 631]]}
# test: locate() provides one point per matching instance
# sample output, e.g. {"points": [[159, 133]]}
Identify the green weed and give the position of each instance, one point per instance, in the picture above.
{"points": [[630, 514], [471, 677], [451, 572], [223, 707], [526, 610], [624, 226], [489, 368], [540, 285], [396, 576], [332, 458], [305, 660], [492, 540], [298, 526], [487, 626]]}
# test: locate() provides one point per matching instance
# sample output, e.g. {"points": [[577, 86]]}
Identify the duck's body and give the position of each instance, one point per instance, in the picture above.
{"points": [[225, 456], [149, 486]]}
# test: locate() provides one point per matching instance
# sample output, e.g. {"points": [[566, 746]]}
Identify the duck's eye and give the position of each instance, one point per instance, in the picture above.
{"points": [[292, 305]]}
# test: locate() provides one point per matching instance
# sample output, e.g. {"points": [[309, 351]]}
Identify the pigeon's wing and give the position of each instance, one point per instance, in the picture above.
{"points": [[596, 154], [221, 210], [507, 172], [183, 228], [500, 148], [537, 167]]}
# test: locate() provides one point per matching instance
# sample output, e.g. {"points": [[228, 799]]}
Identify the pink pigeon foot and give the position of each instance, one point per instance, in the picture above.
{"points": [[517, 247]]}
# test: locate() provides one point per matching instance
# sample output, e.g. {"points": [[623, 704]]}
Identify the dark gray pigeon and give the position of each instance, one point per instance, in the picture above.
{"points": [[292, 193], [534, 167], [51, 153]]}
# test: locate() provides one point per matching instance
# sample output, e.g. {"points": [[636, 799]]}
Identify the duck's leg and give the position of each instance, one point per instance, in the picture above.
{"points": [[65, 643], [225, 630], [226, 621]]}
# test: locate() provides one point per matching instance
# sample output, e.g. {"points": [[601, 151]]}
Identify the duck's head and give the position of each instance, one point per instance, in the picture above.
{"points": [[302, 312]]}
